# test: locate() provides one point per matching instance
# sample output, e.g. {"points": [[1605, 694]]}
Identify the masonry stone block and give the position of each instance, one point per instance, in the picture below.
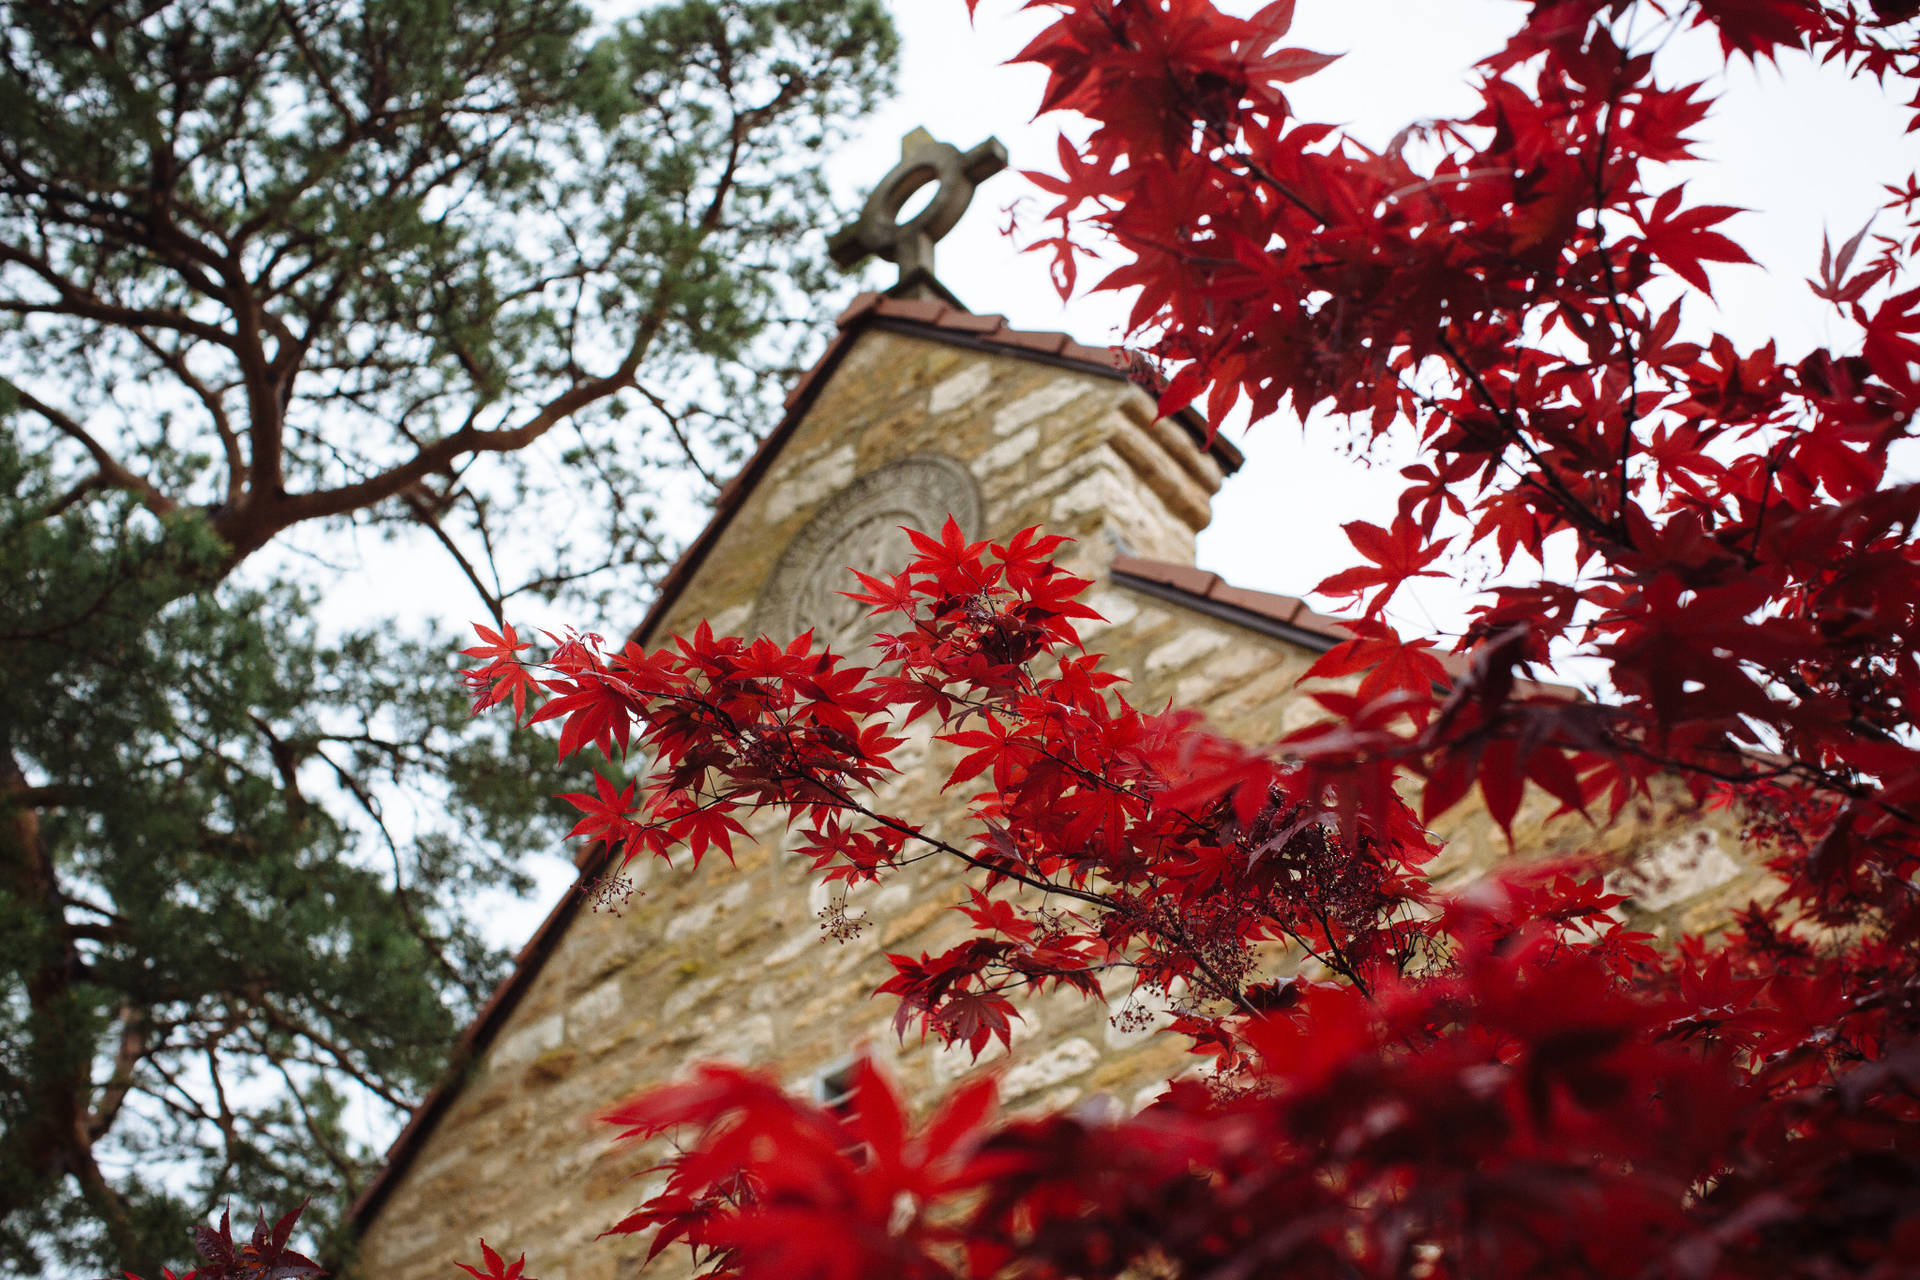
{"points": [[810, 482], [1116, 609], [593, 1008], [745, 1040], [1051, 398], [691, 995], [960, 389], [1675, 871], [527, 1042], [1062, 1062], [1185, 649], [694, 921], [1010, 452]]}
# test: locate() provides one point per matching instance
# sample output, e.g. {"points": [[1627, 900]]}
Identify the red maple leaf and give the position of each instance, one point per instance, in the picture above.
{"points": [[1398, 554], [503, 676], [608, 813], [1681, 238], [496, 1267]]}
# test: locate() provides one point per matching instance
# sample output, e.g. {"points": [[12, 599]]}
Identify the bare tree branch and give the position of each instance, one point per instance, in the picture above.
{"points": [[77, 302], [424, 513], [135, 1039], [112, 473]]}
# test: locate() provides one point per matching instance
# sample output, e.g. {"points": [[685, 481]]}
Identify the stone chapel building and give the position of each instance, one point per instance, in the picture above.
{"points": [[918, 408]]}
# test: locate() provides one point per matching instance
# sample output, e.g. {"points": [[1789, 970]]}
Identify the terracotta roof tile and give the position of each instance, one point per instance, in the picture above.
{"points": [[1320, 622], [1280, 608], [1290, 611], [921, 310], [967, 322], [802, 387], [858, 307], [1302, 624], [1092, 355], [1051, 343], [1182, 577]]}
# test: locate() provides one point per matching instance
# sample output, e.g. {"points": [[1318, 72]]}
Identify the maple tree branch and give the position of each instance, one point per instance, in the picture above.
{"points": [[1228, 990], [1542, 477], [1336, 959], [1223, 143], [1225, 988], [847, 802], [1628, 411], [798, 770], [1775, 456], [1029, 686], [1460, 178]]}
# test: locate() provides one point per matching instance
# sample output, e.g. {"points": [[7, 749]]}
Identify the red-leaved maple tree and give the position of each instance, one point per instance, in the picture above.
{"points": [[1502, 1082], [266, 1255]]}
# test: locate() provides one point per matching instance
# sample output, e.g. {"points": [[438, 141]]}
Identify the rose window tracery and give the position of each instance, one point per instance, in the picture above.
{"points": [[860, 527]]}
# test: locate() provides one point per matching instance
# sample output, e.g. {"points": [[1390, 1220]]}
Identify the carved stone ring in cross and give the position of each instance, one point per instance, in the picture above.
{"points": [[910, 244]]}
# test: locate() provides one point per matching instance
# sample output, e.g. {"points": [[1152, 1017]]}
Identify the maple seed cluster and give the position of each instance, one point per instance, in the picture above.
{"points": [[1503, 1081]]}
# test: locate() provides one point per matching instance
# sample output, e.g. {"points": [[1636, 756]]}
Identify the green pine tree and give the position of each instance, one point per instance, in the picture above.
{"points": [[479, 269]]}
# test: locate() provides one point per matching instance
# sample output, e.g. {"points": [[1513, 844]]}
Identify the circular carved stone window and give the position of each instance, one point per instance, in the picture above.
{"points": [[860, 528]]}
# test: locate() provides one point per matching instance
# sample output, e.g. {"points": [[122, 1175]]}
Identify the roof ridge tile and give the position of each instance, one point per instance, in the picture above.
{"points": [[919, 310], [861, 304], [1207, 585]]}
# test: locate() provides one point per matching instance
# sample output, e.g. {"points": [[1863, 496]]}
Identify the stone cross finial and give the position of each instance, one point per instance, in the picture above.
{"points": [[910, 244]]}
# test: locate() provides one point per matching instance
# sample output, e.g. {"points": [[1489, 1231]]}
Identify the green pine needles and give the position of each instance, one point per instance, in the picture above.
{"points": [[484, 271]]}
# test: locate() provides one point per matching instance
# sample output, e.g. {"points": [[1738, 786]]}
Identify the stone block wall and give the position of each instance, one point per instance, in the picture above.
{"points": [[1079, 453], [730, 961]]}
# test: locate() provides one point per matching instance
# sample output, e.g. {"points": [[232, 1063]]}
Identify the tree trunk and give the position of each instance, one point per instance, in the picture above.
{"points": [[54, 1143]]}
